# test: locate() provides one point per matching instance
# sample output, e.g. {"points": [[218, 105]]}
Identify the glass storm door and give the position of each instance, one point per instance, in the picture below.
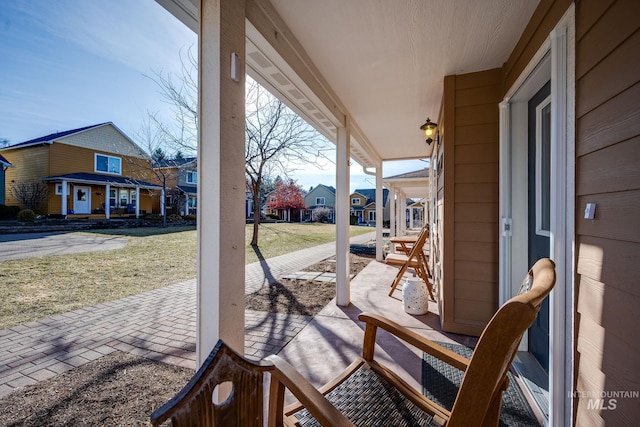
{"points": [[539, 194]]}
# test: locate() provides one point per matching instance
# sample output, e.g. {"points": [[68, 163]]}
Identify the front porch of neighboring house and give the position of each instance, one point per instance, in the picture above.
{"points": [[94, 196], [187, 203]]}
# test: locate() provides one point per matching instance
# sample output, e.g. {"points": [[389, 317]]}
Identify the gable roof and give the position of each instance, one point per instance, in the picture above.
{"points": [[174, 163], [6, 163], [49, 139], [327, 187], [370, 194]]}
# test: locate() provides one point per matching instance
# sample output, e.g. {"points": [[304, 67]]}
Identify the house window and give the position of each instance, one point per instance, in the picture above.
{"points": [[108, 164], [355, 201], [319, 201], [372, 216], [192, 177], [59, 189], [112, 197], [192, 203], [132, 197], [124, 197]]}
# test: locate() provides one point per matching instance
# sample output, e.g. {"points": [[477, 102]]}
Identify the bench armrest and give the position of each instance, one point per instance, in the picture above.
{"points": [[286, 376], [374, 321]]}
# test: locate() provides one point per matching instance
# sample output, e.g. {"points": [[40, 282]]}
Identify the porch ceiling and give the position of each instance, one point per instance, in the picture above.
{"points": [[382, 62]]}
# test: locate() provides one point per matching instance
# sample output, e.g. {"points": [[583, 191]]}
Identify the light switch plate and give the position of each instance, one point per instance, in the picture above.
{"points": [[590, 211]]}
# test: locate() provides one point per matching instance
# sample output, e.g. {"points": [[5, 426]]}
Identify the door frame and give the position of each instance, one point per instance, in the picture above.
{"points": [[88, 201], [555, 61]]}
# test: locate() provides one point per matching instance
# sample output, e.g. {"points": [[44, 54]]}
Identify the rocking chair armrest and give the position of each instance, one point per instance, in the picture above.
{"points": [[287, 376], [373, 321]]}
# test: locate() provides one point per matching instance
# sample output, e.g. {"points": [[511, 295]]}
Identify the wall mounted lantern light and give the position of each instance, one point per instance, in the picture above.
{"points": [[429, 129]]}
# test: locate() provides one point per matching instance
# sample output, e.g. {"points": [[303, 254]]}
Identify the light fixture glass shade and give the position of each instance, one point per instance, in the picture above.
{"points": [[429, 130]]}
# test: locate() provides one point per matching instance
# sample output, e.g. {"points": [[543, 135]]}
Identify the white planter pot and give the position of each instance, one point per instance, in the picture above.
{"points": [[415, 296]]}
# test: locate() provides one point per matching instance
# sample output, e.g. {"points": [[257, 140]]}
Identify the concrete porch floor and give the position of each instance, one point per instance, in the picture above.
{"points": [[333, 338]]}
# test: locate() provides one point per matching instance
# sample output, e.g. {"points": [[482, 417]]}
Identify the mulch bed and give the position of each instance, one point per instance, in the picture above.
{"points": [[121, 389], [304, 297], [118, 389]]}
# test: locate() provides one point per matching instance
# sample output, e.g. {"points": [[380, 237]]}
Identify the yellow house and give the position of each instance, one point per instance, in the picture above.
{"points": [[91, 172]]}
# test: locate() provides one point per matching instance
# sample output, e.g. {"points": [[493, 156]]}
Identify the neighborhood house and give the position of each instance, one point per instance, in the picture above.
{"points": [[90, 172]]}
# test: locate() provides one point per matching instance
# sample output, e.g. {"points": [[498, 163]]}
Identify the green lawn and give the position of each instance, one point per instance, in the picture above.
{"points": [[33, 288]]}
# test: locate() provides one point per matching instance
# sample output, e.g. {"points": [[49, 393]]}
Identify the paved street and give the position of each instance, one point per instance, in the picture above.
{"points": [[25, 245]]}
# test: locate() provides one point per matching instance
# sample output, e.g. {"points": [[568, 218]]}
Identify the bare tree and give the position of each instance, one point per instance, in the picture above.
{"points": [[181, 93], [158, 164], [30, 194], [276, 139], [4, 142]]}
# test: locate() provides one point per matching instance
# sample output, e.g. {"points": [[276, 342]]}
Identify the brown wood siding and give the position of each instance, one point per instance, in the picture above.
{"points": [[470, 144], [607, 173], [544, 19], [29, 166]]}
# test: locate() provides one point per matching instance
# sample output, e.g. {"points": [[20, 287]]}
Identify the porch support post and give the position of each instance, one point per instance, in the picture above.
{"points": [[107, 201], [403, 212], [64, 195], [411, 217], [379, 213], [137, 202], [220, 258], [343, 149], [392, 211]]}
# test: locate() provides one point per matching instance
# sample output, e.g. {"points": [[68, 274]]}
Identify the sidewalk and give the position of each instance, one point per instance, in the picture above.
{"points": [[158, 324]]}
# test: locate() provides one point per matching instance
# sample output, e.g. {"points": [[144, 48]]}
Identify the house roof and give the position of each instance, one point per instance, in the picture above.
{"points": [[49, 139], [188, 189], [370, 194], [174, 163], [421, 173], [328, 187], [4, 162], [96, 178]]}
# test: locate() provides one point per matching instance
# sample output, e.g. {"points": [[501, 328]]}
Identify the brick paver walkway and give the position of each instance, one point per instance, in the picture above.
{"points": [[158, 324]]}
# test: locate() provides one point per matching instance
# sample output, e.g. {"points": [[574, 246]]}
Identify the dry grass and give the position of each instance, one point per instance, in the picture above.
{"points": [[280, 239], [33, 288]]}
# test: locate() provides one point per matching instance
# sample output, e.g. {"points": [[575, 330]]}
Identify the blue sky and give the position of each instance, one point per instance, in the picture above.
{"points": [[68, 64], [73, 63]]}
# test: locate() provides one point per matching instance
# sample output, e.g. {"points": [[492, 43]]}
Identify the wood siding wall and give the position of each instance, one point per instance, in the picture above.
{"points": [[31, 164], [608, 174], [468, 200], [70, 159]]}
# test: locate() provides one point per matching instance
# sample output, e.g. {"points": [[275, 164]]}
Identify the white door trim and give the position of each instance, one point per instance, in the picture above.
{"points": [[555, 60], [85, 204]]}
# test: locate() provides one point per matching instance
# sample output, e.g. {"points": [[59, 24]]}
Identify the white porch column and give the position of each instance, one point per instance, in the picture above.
{"points": [[379, 214], [343, 149], [392, 211], [137, 202], [411, 217], [220, 298], [107, 201], [163, 209], [64, 195], [403, 215]]}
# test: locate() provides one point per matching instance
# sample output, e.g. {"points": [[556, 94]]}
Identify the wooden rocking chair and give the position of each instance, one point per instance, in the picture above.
{"points": [[367, 393]]}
